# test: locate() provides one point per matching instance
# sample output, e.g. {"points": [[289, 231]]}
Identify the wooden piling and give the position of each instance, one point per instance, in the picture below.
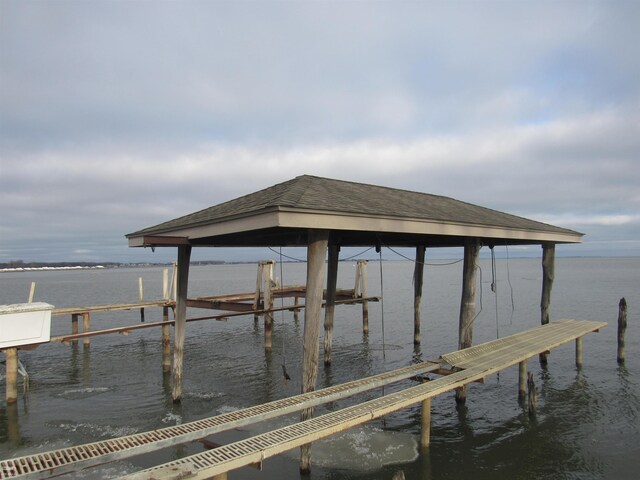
{"points": [[267, 294], [548, 267], [256, 297], [316, 253], [11, 380], [32, 292], [579, 352], [418, 274], [467, 303], [622, 327], [86, 326], [74, 327], [166, 341], [522, 380], [425, 431], [330, 301], [141, 292], [532, 394], [184, 257], [361, 286]]}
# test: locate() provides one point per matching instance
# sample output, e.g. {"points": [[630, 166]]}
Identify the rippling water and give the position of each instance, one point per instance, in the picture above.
{"points": [[587, 424]]}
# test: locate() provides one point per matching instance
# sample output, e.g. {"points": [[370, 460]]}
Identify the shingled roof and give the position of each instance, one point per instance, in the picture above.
{"points": [[358, 214]]}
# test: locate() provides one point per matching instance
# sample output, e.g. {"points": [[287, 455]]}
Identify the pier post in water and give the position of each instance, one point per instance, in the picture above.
{"points": [[330, 305], [74, 327], [532, 394], [184, 257], [622, 327], [166, 333], [548, 266], [579, 352], [86, 326], [418, 274], [317, 243], [141, 292], [267, 293], [467, 303], [425, 431], [11, 376], [522, 380], [361, 285]]}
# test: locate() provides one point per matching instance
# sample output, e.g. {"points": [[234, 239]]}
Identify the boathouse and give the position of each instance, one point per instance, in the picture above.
{"points": [[323, 215]]}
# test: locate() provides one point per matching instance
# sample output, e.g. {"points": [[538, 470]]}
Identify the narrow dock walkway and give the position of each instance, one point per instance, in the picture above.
{"points": [[475, 364]]}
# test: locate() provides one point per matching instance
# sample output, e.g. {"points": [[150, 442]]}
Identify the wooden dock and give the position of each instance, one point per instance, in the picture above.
{"points": [[457, 369]]}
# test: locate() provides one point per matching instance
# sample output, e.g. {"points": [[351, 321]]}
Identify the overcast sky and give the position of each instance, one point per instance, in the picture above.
{"points": [[115, 116]]}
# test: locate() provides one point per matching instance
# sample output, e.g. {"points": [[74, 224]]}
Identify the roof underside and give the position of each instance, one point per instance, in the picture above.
{"points": [[357, 214]]}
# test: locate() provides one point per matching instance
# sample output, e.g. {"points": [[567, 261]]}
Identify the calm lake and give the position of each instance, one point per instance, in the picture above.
{"points": [[588, 420]]}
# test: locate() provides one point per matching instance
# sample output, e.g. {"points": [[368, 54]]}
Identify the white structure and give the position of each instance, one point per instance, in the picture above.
{"points": [[24, 324]]}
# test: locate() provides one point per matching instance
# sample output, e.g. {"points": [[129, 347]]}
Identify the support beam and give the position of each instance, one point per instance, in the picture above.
{"points": [[548, 266], [267, 295], [425, 432], [184, 257], [579, 352], [86, 326], [74, 326], [329, 309], [418, 274], [622, 328], [11, 380], [166, 341], [361, 285], [316, 254], [467, 303], [522, 380]]}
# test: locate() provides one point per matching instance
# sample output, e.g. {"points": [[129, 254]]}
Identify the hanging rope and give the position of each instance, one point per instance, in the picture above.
{"points": [[384, 353], [284, 352], [286, 256], [494, 287], [513, 305], [423, 263]]}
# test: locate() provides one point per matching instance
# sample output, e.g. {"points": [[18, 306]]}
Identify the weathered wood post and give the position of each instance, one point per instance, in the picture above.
{"points": [[622, 327], [86, 326], [141, 291], [166, 332], [32, 292], [467, 303], [532, 395], [256, 297], [361, 285], [184, 256], [267, 294], [317, 241], [425, 431], [579, 352], [330, 301], [74, 327], [11, 374], [548, 266], [418, 274], [522, 380]]}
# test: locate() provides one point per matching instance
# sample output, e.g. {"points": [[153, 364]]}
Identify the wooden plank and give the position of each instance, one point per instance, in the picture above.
{"points": [[146, 442], [260, 447]]}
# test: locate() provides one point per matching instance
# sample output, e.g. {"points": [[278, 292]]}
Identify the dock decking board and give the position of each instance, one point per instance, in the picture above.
{"points": [[480, 361], [508, 352], [82, 456]]}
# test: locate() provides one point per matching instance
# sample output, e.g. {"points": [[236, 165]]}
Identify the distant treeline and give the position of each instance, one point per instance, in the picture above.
{"points": [[22, 264]]}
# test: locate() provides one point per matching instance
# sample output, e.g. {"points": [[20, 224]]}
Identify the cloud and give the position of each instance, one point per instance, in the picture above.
{"points": [[117, 116]]}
